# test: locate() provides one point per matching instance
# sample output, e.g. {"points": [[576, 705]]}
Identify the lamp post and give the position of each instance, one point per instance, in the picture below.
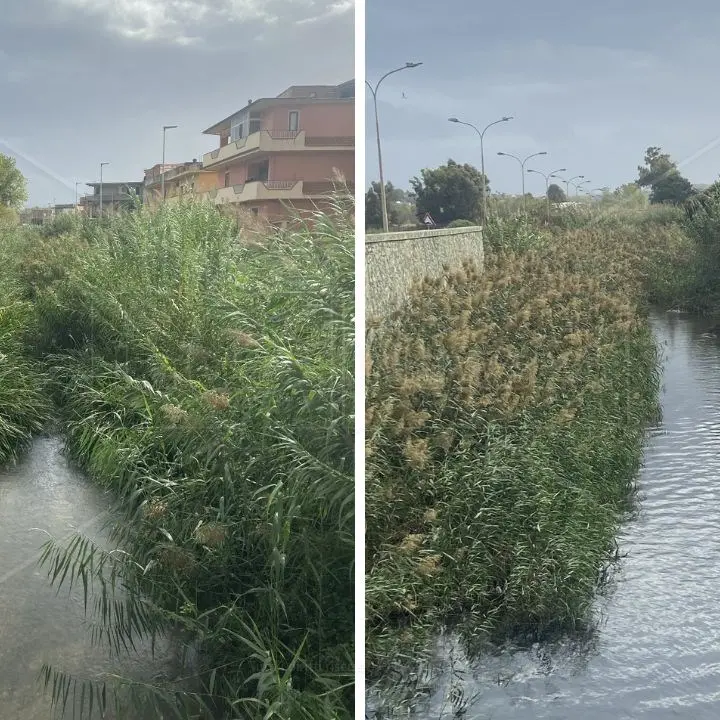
{"points": [[76, 195], [162, 168], [522, 170], [374, 91], [578, 185], [506, 118], [102, 164], [547, 185], [567, 184]]}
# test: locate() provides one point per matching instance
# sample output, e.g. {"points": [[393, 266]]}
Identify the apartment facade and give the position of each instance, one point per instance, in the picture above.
{"points": [[114, 197], [284, 155], [182, 180]]}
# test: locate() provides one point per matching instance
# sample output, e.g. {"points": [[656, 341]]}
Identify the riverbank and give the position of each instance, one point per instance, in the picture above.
{"points": [[506, 414], [205, 376]]}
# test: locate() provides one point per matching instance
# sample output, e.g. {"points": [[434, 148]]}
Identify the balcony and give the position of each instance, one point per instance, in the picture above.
{"points": [[258, 190], [271, 190], [276, 141]]}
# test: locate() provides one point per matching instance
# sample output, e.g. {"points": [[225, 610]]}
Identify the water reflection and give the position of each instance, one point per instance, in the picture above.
{"points": [[45, 494]]}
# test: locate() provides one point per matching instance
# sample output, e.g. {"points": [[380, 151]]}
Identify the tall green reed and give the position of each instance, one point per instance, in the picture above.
{"points": [[204, 373]]}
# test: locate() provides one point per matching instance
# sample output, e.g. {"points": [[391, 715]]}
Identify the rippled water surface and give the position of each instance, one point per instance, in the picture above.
{"points": [[45, 494], [656, 655]]}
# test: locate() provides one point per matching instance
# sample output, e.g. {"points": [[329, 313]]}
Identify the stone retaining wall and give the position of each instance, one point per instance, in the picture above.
{"points": [[393, 261]]}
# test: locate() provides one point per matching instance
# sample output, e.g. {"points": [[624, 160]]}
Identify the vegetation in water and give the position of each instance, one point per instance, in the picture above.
{"points": [[506, 411], [205, 374]]}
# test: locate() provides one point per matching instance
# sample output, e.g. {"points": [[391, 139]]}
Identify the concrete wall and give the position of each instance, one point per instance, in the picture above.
{"points": [[393, 261]]}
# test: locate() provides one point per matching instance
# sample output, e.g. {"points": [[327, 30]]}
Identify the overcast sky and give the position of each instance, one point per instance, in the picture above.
{"points": [[89, 81], [593, 84]]}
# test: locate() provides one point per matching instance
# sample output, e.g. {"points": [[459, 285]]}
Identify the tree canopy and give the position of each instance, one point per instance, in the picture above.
{"points": [[13, 188], [663, 178], [555, 193], [398, 203], [449, 192]]}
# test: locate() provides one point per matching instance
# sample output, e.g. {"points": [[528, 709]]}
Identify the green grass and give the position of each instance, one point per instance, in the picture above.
{"points": [[205, 375]]}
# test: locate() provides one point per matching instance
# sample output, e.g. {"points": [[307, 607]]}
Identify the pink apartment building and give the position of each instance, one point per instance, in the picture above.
{"points": [[282, 155]]}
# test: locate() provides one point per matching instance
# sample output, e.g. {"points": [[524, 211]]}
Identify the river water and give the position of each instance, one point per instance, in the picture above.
{"points": [[656, 652], [45, 494]]}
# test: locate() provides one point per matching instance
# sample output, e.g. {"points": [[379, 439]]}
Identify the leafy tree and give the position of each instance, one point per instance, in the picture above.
{"points": [[661, 175], [450, 192], [373, 207], [657, 164], [555, 193], [396, 200], [13, 188], [672, 188]]}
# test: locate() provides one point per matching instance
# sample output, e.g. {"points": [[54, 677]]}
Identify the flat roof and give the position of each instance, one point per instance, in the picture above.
{"points": [[279, 100]]}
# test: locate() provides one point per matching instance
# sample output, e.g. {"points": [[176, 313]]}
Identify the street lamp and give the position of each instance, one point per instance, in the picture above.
{"points": [[76, 195], [482, 154], [578, 185], [374, 91], [162, 170], [522, 170], [567, 184], [547, 184], [102, 164]]}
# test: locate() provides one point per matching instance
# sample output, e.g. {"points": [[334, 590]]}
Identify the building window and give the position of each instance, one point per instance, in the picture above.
{"points": [[255, 211], [227, 178], [294, 121], [236, 132]]}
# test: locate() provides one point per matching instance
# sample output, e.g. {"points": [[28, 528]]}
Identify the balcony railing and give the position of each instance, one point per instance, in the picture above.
{"points": [[330, 141], [282, 134], [326, 188], [280, 184]]}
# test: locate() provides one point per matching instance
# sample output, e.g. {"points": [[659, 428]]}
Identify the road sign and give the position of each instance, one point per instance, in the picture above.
{"points": [[428, 220]]}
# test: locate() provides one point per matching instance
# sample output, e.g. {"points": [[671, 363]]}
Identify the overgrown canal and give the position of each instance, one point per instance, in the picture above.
{"points": [[656, 650]]}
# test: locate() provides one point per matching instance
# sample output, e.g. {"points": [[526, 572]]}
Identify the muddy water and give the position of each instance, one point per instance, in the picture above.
{"points": [[656, 652], [45, 494]]}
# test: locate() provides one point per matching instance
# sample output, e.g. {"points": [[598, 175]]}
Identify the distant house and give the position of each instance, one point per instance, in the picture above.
{"points": [[182, 180], [281, 155], [114, 196]]}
